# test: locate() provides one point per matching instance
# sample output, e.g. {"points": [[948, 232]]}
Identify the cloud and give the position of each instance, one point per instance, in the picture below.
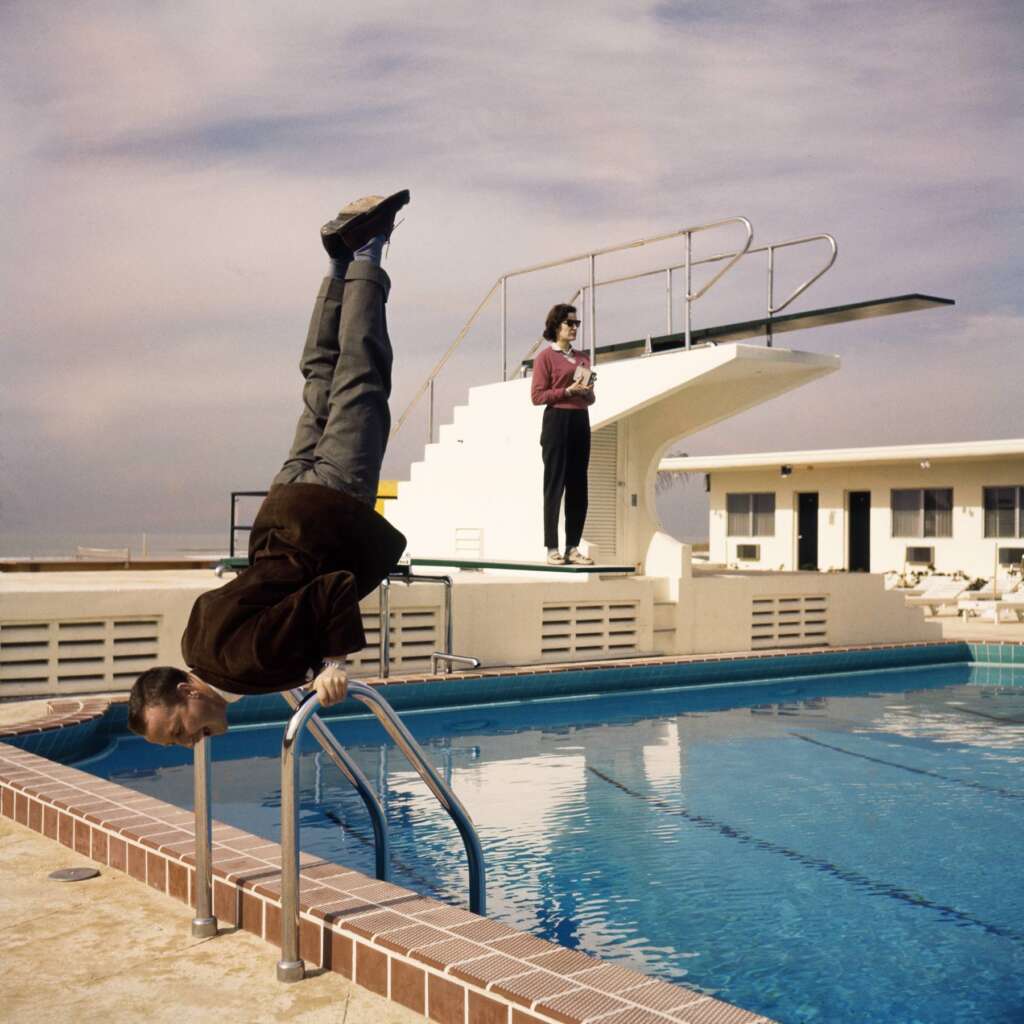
{"points": [[167, 168]]}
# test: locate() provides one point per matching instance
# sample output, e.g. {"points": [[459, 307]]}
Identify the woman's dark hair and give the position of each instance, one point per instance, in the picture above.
{"points": [[555, 317], [154, 686]]}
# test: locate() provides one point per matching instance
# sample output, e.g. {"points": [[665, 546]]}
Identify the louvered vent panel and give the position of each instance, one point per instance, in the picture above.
{"points": [[77, 654], [789, 621], [415, 635], [601, 527], [590, 628]]}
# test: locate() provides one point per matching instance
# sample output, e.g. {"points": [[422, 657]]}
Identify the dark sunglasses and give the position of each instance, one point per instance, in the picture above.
{"points": [[572, 323]]}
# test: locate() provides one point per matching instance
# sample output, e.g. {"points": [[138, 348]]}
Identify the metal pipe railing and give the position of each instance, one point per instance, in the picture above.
{"points": [[501, 287], [384, 613], [717, 258], [204, 924], [800, 289], [291, 967], [438, 658], [337, 753]]}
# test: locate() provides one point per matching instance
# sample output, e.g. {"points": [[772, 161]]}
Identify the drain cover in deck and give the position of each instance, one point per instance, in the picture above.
{"points": [[73, 874]]}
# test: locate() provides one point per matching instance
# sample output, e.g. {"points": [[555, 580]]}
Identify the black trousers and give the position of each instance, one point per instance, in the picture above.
{"points": [[565, 446]]}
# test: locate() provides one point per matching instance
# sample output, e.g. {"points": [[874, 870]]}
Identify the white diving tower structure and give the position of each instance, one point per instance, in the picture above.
{"points": [[477, 492], [474, 503]]}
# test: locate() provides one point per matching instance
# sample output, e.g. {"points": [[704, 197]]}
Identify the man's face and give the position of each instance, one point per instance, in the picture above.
{"points": [[195, 714]]}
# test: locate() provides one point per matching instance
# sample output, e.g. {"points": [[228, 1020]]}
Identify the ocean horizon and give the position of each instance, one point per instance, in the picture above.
{"points": [[18, 544]]}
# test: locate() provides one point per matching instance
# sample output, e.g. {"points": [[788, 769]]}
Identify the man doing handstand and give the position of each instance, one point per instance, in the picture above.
{"points": [[316, 546]]}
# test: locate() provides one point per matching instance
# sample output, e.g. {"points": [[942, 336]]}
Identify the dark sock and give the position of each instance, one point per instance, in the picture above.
{"points": [[338, 266], [372, 251]]}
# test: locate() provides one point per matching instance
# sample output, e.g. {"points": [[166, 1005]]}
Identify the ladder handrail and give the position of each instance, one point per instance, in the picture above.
{"points": [[290, 967], [204, 924], [800, 289], [337, 753]]}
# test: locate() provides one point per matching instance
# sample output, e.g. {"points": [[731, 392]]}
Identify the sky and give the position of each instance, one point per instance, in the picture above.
{"points": [[166, 168]]}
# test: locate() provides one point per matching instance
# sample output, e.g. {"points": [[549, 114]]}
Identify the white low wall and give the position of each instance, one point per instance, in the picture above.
{"points": [[89, 632]]}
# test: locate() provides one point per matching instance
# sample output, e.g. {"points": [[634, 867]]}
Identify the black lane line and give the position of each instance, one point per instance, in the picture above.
{"points": [[991, 718], [855, 878], [1009, 794]]}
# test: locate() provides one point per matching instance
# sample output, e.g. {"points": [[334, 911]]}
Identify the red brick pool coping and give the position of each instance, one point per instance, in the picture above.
{"points": [[438, 960]]}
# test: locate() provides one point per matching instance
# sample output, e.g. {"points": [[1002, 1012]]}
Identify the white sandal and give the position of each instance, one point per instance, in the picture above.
{"points": [[575, 557]]}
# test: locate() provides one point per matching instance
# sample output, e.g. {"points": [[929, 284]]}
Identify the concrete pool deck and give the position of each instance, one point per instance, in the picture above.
{"points": [[112, 949]]}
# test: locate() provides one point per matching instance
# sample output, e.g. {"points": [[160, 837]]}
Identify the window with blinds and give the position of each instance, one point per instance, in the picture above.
{"points": [[1004, 511], [750, 515], [922, 512]]}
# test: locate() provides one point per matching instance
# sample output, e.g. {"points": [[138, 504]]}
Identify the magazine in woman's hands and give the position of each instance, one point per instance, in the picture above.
{"points": [[585, 376]]}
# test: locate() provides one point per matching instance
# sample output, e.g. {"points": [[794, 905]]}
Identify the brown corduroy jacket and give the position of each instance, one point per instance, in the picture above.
{"points": [[313, 553]]}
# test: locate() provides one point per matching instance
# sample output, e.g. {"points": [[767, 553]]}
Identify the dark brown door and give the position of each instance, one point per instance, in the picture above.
{"points": [[860, 531], [807, 530]]}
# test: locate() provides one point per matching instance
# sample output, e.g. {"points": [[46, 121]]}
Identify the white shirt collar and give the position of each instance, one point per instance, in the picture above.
{"points": [[568, 354]]}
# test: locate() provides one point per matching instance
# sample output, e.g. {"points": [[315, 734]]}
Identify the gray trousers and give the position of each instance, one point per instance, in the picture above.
{"points": [[343, 429]]}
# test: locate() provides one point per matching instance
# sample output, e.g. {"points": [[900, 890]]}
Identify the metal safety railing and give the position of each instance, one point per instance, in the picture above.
{"points": [[235, 528], [291, 967], [800, 289], [668, 272], [438, 658], [501, 288]]}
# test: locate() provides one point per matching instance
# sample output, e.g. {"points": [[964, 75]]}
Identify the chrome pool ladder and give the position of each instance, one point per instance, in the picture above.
{"points": [[204, 924], [291, 967], [305, 704]]}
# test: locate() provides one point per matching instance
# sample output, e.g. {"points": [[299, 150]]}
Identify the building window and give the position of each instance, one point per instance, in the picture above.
{"points": [[1004, 511], [750, 515], [922, 512]]}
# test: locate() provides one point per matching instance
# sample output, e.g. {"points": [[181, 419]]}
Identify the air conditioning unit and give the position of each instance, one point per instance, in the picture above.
{"points": [[748, 552], [920, 556], [1011, 556]]}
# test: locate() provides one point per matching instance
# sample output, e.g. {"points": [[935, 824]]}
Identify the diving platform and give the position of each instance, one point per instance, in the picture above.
{"points": [[476, 564], [471, 564], [768, 327]]}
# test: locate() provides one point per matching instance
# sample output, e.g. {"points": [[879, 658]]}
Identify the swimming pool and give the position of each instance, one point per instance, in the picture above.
{"points": [[807, 848]]}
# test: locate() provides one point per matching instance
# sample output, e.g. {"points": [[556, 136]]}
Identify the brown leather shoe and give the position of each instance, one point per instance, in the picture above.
{"points": [[360, 221]]}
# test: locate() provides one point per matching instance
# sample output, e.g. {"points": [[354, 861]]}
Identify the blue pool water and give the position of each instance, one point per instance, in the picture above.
{"points": [[841, 849]]}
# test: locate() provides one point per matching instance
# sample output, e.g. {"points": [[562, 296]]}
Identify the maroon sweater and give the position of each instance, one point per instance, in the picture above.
{"points": [[552, 375]]}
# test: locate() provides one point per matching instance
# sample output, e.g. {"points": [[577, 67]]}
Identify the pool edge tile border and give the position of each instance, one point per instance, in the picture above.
{"points": [[382, 939]]}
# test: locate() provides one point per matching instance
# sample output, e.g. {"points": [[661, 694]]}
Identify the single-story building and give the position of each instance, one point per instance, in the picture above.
{"points": [[951, 507]]}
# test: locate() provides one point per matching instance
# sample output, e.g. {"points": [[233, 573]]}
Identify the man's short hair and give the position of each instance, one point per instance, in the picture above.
{"points": [[555, 316], [155, 686]]}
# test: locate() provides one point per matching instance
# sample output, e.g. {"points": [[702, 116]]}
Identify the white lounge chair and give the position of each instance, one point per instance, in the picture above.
{"points": [[942, 593], [1013, 603]]}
